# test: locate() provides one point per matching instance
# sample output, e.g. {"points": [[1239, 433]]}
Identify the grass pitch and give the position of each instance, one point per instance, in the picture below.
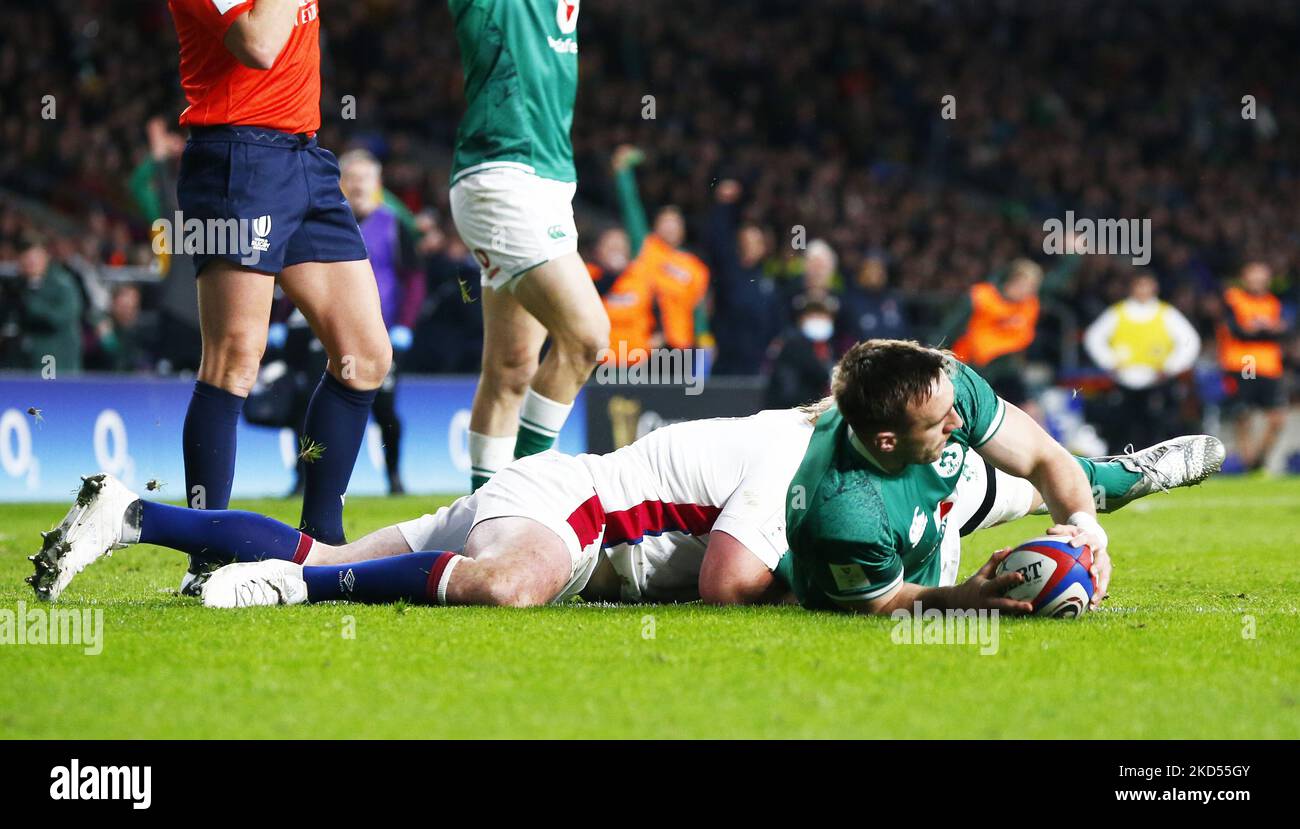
{"points": [[1197, 574]]}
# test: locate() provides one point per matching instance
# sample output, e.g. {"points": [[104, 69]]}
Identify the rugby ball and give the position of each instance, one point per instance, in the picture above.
{"points": [[1058, 579]]}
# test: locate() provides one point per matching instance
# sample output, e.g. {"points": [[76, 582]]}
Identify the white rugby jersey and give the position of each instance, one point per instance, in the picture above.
{"points": [[660, 497]]}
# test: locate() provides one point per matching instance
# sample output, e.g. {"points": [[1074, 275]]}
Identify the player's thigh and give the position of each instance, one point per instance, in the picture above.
{"points": [[233, 301], [561, 295], [986, 496], [536, 531], [234, 305], [518, 561], [512, 337], [341, 302]]}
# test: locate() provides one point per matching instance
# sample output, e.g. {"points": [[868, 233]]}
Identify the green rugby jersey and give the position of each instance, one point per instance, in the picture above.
{"points": [[520, 60], [856, 531]]}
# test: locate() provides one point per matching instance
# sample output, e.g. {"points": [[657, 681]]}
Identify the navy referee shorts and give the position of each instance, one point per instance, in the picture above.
{"points": [[283, 189]]}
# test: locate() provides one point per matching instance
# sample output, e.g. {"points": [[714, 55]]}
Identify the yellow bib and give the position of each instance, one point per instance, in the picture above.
{"points": [[1142, 343]]}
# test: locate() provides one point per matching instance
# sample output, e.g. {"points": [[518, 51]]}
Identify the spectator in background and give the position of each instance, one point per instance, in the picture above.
{"points": [[802, 359], [152, 185], [628, 295], [997, 327], [870, 309], [122, 340], [451, 320], [680, 278], [746, 304], [1250, 355], [392, 249], [1144, 344], [818, 283], [51, 312]]}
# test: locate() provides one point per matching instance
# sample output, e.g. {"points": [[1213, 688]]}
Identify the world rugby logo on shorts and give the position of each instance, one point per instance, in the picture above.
{"points": [[566, 16], [261, 229]]}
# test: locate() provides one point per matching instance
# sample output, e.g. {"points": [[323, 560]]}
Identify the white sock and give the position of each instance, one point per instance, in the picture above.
{"points": [[488, 454], [543, 415], [445, 578]]}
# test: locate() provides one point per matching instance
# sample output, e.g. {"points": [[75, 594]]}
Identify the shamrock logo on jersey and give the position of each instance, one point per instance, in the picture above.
{"points": [[949, 462]]}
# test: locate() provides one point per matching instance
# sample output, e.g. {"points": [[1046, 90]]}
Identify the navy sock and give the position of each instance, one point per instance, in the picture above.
{"points": [[208, 442], [220, 536], [336, 423], [413, 577]]}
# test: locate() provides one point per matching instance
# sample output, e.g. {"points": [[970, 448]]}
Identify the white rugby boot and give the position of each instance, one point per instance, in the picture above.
{"points": [[1178, 462], [255, 584], [100, 521]]}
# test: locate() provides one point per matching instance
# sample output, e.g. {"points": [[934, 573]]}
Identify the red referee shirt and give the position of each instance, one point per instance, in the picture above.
{"points": [[221, 90]]}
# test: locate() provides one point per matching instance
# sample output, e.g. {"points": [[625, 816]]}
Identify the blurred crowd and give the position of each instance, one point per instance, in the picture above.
{"points": [[807, 174]]}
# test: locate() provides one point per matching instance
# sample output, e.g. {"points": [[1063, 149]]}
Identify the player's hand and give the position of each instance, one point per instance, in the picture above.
{"points": [[163, 143], [986, 591], [626, 155], [1097, 542], [401, 337]]}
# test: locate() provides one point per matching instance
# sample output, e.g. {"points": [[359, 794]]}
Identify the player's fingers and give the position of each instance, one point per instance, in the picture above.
{"points": [[1063, 529], [1101, 570], [994, 560], [1084, 538], [1001, 584], [1015, 607]]}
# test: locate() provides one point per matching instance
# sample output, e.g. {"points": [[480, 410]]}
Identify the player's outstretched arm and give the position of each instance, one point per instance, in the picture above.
{"points": [[1023, 448], [982, 591], [257, 36]]}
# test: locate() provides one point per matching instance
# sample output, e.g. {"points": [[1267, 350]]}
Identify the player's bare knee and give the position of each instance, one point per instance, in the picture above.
{"points": [[510, 373], [231, 363], [363, 368], [586, 346]]}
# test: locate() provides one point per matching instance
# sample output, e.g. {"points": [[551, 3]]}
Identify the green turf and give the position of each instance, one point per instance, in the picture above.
{"points": [[1167, 657]]}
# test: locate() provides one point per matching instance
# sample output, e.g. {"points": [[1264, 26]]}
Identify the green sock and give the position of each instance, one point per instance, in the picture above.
{"points": [[540, 420], [1114, 479], [529, 441], [476, 480]]}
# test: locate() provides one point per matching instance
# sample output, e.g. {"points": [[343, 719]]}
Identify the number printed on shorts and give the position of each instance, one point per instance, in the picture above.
{"points": [[482, 257]]}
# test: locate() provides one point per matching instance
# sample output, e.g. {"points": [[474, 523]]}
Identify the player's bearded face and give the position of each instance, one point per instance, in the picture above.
{"points": [[933, 420]]}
